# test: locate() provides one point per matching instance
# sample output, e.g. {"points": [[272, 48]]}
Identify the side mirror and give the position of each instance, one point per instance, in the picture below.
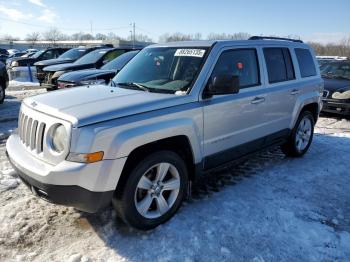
{"points": [[222, 85]]}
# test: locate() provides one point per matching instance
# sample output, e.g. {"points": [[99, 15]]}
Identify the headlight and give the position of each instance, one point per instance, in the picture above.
{"points": [[14, 63], [59, 138], [343, 95], [93, 82], [58, 74]]}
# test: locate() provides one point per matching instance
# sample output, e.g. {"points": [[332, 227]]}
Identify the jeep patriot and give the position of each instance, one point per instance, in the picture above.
{"points": [[174, 111]]}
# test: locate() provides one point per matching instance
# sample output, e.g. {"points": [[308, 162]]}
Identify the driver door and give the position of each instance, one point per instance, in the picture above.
{"points": [[232, 122]]}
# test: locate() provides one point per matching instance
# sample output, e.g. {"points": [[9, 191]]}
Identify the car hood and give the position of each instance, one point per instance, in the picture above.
{"points": [[67, 67], [84, 74], [24, 60], [334, 85], [88, 105], [53, 62]]}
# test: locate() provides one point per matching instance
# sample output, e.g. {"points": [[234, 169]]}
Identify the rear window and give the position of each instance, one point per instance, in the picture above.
{"points": [[279, 64], [306, 62]]}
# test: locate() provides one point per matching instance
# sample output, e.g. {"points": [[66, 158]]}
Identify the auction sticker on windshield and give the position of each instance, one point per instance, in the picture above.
{"points": [[190, 52]]}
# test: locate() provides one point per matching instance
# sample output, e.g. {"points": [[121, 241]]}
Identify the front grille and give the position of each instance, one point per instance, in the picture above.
{"points": [[31, 132], [48, 77]]}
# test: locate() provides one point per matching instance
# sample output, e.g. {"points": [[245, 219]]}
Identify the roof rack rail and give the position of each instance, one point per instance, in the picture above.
{"points": [[274, 38]]}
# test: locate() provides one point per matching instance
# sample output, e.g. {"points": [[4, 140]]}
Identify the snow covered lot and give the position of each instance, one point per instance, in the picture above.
{"points": [[270, 208]]}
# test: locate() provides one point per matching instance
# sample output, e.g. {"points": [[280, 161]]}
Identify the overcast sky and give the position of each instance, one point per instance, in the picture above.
{"points": [[322, 20]]}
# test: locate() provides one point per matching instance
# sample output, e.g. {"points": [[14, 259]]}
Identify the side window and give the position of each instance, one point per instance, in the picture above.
{"points": [[240, 62], [279, 64], [306, 62], [48, 55], [111, 55]]}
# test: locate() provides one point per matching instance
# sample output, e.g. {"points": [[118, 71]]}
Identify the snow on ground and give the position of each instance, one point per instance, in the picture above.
{"points": [[270, 208], [22, 83]]}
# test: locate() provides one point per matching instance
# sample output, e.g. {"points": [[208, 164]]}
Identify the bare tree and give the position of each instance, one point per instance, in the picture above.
{"points": [[224, 36], [9, 38], [140, 38], [53, 35], [100, 36], [33, 37], [113, 36], [179, 37], [340, 49]]}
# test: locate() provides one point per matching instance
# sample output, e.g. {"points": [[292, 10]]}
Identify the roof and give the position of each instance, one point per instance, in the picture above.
{"points": [[209, 43]]}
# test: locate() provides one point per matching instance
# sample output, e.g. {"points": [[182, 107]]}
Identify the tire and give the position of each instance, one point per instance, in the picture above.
{"points": [[141, 191], [2, 94], [301, 136]]}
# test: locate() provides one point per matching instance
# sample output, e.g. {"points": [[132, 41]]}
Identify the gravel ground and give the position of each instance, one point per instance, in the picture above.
{"points": [[270, 208]]}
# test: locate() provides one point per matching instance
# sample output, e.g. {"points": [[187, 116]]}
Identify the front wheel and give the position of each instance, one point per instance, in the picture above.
{"points": [[154, 191], [301, 137]]}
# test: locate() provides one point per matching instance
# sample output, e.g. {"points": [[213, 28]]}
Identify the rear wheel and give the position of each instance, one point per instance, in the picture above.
{"points": [[2, 93], [301, 137], [153, 191]]}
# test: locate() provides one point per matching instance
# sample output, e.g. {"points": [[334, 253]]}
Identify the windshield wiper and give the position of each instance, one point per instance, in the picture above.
{"points": [[137, 85]]}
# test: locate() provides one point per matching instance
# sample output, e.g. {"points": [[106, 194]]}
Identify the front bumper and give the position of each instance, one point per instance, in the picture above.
{"points": [[74, 196], [40, 76], [87, 187], [336, 107]]}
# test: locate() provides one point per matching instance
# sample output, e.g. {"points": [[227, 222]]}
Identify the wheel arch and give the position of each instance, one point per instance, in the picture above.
{"points": [[179, 144]]}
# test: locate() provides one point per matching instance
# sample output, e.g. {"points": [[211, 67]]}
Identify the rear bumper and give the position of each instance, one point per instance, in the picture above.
{"points": [[75, 196], [336, 107]]}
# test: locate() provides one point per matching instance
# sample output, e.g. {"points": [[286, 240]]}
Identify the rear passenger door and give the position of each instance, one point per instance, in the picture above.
{"points": [[282, 89]]}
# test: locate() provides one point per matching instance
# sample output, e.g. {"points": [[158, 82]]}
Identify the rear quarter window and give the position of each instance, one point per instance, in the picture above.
{"points": [[306, 62]]}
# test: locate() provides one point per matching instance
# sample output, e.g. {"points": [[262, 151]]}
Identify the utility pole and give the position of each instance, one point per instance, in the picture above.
{"points": [[91, 26], [133, 35]]}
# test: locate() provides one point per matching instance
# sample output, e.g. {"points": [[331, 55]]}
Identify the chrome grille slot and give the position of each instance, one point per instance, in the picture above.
{"points": [[28, 131], [40, 137], [33, 135], [31, 132]]}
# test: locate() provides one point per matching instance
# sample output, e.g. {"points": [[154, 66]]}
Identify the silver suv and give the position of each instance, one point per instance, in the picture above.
{"points": [[174, 111]]}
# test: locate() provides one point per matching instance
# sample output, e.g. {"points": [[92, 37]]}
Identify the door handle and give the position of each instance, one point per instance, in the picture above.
{"points": [[258, 100], [295, 92]]}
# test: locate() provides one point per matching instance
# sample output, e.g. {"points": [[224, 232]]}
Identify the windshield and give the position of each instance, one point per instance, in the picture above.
{"points": [[73, 53], [336, 70], [163, 69], [37, 54], [119, 62], [91, 57]]}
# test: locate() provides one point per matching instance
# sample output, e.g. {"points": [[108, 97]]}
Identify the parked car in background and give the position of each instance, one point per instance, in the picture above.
{"points": [[10, 58], [29, 54], [3, 55], [4, 81], [31, 50], [94, 59], [67, 57], [12, 51], [321, 59], [95, 76], [49, 53], [178, 110], [336, 94]]}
